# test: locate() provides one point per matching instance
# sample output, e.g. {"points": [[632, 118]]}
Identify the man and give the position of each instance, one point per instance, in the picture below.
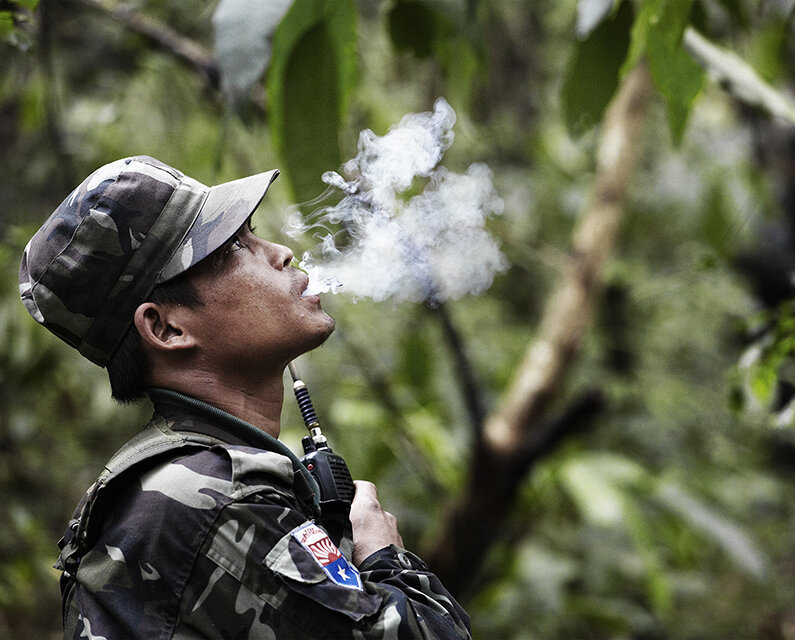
{"points": [[205, 525]]}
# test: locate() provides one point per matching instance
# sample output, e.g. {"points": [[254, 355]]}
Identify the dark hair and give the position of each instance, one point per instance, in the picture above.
{"points": [[129, 366]]}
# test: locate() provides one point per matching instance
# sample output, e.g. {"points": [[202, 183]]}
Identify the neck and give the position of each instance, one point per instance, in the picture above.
{"points": [[257, 402]]}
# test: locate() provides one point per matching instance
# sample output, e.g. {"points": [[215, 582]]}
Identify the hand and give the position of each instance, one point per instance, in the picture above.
{"points": [[373, 528]]}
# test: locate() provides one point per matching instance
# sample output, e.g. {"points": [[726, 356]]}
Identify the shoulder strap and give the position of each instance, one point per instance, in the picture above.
{"points": [[153, 443]]}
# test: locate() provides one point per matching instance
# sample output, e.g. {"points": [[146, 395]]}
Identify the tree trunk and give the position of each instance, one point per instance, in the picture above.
{"points": [[519, 431]]}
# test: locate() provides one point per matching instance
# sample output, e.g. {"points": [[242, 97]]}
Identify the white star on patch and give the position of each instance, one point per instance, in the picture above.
{"points": [[325, 553]]}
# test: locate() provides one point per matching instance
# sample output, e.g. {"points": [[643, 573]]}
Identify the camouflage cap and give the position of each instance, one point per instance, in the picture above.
{"points": [[132, 224]]}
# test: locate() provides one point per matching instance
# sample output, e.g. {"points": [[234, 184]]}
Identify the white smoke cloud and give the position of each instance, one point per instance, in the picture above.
{"points": [[432, 246]]}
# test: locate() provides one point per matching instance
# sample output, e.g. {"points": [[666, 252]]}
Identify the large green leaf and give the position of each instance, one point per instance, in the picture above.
{"points": [[593, 71], [657, 34], [312, 73]]}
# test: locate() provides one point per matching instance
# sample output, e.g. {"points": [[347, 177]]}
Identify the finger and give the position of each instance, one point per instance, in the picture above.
{"points": [[365, 489]]}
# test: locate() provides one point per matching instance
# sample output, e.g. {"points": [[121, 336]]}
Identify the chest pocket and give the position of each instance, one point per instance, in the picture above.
{"points": [[309, 564]]}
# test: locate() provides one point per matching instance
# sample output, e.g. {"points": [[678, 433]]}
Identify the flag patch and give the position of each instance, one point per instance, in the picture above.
{"points": [[326, 554]]}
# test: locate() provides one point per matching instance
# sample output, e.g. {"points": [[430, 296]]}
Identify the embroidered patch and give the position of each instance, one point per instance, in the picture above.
{"points": [[326, 554]]}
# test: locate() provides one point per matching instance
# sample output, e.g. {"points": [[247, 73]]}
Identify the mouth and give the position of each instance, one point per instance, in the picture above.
{"points": [[303, 285]]}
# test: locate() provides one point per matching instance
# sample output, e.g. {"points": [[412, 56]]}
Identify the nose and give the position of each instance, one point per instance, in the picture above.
{"points": [[282, 256]]}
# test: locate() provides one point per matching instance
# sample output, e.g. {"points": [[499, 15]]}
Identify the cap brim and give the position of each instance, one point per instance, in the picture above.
{"points": [[224, 211]]}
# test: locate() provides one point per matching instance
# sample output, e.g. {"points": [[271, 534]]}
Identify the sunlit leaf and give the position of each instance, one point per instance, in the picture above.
{"points": [[243, 32], [596, 484]]}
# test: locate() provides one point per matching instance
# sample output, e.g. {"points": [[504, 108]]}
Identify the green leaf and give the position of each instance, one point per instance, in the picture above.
{"points": [[763, 383], [421, 27], [765, 360], [678, 78], [28, 4], [593, 72], [312, 73], [658, 585], [657, 35], [597, 484], [6, 23], [243, 30], [727, 534]]}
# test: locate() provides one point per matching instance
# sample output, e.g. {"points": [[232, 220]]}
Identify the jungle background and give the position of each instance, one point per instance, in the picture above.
{"points": [[602, 445]]}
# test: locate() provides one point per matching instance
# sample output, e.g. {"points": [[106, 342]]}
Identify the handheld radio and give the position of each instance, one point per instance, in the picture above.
{"points": [[327, 468]]}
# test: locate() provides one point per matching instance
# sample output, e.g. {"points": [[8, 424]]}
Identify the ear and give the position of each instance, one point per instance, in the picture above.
{"points": [[161, 329]]}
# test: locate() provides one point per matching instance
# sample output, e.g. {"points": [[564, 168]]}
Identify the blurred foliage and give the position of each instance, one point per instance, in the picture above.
{"points": [[674, 516]]}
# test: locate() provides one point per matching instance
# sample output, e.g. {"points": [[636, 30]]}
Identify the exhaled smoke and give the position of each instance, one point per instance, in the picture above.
{"points": [[432, 246]]}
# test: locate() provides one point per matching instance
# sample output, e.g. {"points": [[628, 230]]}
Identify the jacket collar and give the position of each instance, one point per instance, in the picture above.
{"points": [[193, 415]]}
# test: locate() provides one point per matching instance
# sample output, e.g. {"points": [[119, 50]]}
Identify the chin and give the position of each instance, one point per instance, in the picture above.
{"points": [[320, 335], [329, 329]]}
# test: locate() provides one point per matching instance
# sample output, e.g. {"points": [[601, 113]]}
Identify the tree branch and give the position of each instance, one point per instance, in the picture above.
{"points": [[184, 49], [577, 418], [737, 76], [470, 390], [66, 174], [568, 312], [513, 436]]}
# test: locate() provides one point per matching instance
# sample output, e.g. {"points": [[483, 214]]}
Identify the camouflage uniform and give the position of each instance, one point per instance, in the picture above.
{"points": [[210, 544]]}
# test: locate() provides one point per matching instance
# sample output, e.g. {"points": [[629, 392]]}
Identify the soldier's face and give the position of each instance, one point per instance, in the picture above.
{"points": [[253, 313]]}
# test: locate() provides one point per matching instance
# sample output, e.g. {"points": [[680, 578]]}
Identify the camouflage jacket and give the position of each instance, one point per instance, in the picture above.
{"points": [[217, 539]]}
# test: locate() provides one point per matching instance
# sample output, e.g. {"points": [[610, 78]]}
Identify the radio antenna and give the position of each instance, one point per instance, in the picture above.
{"points": [[305, 403]]}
